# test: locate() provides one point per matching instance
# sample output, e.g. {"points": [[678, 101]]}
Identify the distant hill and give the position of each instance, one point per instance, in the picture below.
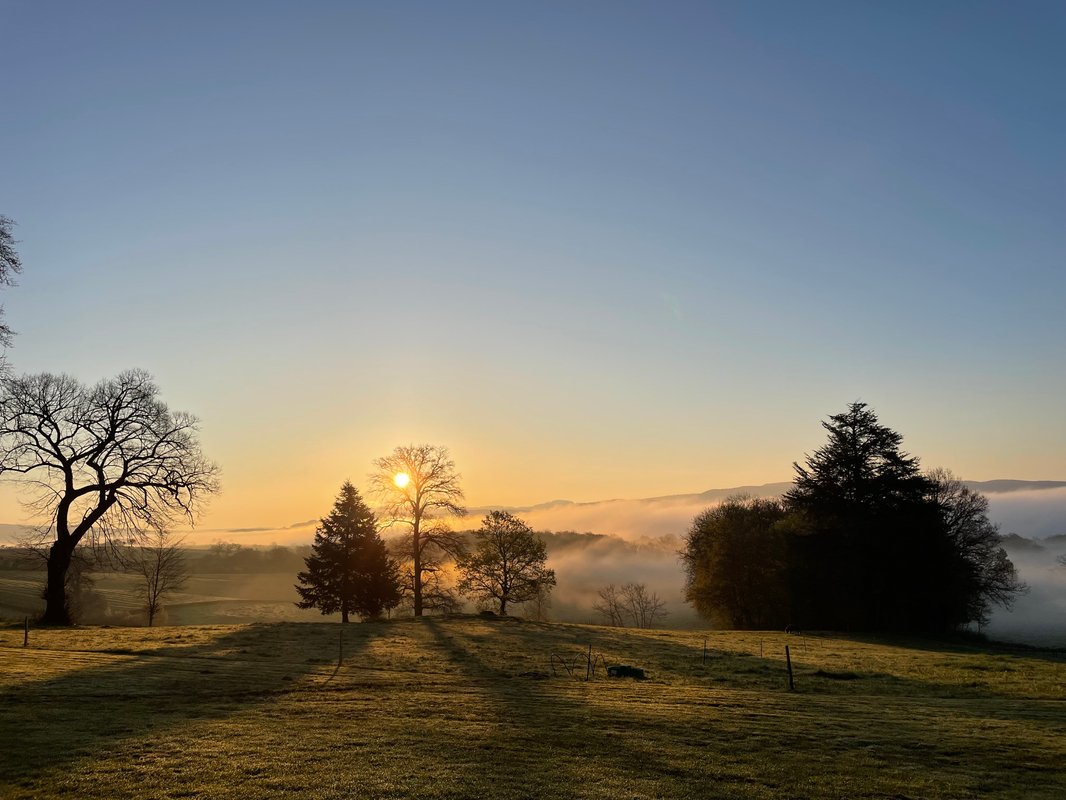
{"points": [[1004, 486], [709, 496], [1000, 486]]}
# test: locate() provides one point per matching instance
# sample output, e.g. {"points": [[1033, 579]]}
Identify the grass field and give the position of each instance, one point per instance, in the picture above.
{"points": [[467, 707], [226, 598]]}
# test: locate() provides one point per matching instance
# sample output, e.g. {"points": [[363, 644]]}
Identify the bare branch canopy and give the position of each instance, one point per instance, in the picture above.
{"points": [[101, 464]]}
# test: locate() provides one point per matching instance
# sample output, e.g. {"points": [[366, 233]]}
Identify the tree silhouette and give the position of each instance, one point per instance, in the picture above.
{"points": [[103, 464], [609, 605], [349, 570], [508, 563], [645, 608], [160, 563], [982, 574], [429, 488], [863, 541], [872, 548], [861, 468]]}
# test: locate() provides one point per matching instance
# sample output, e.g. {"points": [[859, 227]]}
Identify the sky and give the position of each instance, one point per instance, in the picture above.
{"points": [[599, 250]]}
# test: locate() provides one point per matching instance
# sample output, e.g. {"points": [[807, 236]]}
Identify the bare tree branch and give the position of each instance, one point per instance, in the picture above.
{"points": [[160, 562], [103, 464], [415, 485]]}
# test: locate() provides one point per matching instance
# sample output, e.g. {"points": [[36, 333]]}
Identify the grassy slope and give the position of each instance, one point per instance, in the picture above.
{"points": [[439, 709], [205, 599]]}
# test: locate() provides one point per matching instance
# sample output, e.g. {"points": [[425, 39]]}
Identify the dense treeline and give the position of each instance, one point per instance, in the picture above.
{"points": [[863, 541], [225, 557]]}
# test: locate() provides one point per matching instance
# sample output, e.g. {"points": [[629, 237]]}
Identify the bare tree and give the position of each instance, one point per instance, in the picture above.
{"points": [[438, 593], [537, 609], [102, 464], [985, 573], [644, 608], [160, 561], [416, 485], [610, 606]]}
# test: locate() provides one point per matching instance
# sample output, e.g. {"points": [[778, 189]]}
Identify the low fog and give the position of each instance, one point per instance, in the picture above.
{"points": [[1039, 616], [585, 563], [621, 541], [642, 538]]}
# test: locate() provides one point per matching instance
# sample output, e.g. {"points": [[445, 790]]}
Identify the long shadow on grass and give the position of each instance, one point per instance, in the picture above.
{"points": [[671, 660], [639, 745], [569, 732], [58, 721]]}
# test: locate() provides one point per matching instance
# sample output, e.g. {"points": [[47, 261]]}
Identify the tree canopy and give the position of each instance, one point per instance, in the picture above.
{"points": [[734, 561], [863, 541], [349, 570], [102, 464], [508, 564]]}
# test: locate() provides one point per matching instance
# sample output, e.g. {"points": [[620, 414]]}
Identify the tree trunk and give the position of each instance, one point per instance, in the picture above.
{"points": [[55, 591], [417, 570], [344, 615], [503, 606]]}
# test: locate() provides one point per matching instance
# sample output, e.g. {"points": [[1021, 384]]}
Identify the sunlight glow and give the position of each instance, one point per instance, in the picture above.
{"points": [[401, 479]]}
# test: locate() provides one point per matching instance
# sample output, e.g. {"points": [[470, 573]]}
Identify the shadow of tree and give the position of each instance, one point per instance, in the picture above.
{"points": [[553, 719], [629, 726], [126, 694], [457, 714]]}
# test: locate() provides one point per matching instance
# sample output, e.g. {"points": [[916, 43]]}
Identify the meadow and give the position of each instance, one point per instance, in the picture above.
{"points": [[469, 707], [205, 599]]}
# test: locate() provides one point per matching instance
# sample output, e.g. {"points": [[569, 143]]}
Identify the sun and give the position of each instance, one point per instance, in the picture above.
{"points": [[401, 479]]}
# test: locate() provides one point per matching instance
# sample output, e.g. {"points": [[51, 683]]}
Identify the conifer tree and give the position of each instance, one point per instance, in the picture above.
{"points": [[349, 570]]}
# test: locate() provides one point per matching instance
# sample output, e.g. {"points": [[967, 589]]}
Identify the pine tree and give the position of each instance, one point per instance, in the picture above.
{"points": [[349, 570], [859, 469], [872, 551]]}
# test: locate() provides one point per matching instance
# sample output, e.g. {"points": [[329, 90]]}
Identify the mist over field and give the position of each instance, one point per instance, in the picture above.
{"points": [[641, 540], [1038, 616], [619, 541]]}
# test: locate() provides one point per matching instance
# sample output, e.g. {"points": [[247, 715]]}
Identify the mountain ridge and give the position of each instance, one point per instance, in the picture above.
{"points": [[995, 486]]}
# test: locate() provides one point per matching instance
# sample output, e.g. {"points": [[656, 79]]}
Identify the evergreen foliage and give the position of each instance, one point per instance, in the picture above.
{"points": [[349, 570], [863, 541]]}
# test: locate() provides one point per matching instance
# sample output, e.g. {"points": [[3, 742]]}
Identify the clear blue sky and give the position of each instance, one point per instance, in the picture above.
{"points": [[598, 249]]}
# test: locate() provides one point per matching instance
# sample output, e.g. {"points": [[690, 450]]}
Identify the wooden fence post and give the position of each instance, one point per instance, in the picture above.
{"points": [[788, 663]]}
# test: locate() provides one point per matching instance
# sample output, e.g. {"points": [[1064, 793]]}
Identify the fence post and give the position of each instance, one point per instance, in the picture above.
{"points": [[26, 633], [588, 669], [788, 663]]}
